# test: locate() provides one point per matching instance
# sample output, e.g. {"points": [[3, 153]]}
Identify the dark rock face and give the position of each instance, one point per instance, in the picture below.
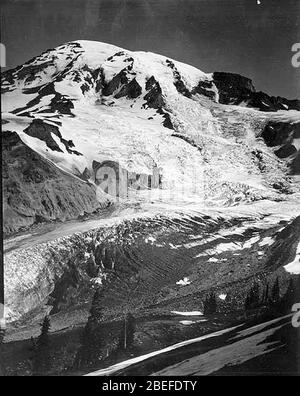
{"points": [[121, 86], [167, 120], [131, 91], [29, 70], [235, 89], [279, 133], [296, 164], [40, 130], [283, 134], [264, 102], [118, 81], [43, 131], [59, 103], [205, 88], [179, 84], [154, 99], [34, 190], [154, 96], [97, 76], [284, 249], [286, 151]]}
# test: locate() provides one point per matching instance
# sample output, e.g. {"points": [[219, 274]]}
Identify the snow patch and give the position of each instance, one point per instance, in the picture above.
{"points": [[187, 322], [252, 241], [213, 260], [193, 313], [294, 266], [266, 241], [190, 322], [225, 247], [184, 282], [150, 239]]}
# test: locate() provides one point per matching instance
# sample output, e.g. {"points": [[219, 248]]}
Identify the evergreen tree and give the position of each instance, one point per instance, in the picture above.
{"points": [[297, 290], [126, 338], [275, 294], [266, 295], [290, 295], [210, 304], [288, 299], [2, 334], [91, 339], [252, 299], [42, 350], [91, 344]]}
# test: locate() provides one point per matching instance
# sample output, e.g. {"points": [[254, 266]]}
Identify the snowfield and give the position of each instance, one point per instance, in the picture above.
{"points": [[142, 111], [294, 266]]}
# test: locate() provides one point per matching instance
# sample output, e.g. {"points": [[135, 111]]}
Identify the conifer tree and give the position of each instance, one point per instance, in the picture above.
{"points": [[275, 294], [91, 339], [252, 299], [2, 334], [126, 338], [266, 295], [210, 304], [288, 299], [42, 350]]}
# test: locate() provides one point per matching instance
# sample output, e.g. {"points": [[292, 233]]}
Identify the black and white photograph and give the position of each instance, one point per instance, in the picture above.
{"points": [[150, 190]]}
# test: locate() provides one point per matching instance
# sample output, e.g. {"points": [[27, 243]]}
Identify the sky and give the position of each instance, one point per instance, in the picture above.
{"points": [[238, 36]]}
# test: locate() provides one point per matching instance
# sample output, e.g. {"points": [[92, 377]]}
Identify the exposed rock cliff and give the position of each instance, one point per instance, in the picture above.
{"points": [[35, 190]]}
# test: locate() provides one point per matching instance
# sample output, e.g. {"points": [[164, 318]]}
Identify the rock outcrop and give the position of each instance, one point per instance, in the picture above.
{"points": [[35, 190], [236, 89]]}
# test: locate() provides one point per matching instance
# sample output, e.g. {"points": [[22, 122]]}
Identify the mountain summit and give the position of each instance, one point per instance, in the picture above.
{"points": [[81, 108]]}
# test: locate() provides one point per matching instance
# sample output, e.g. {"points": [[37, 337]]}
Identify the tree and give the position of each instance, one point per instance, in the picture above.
{"points": [[210, 304], [275, 294], [289, 298], [266, 297], [2, 334], [42, 349], [252, 299], [126, 338], [297, 289], [91, 339]]}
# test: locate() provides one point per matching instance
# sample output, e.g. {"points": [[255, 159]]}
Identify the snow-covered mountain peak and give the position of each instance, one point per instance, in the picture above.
{"points": [[85, 103], [73, 61]]}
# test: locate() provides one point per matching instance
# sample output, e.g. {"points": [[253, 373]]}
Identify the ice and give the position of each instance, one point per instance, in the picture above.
{"points": [[183, 282], [266, 241], [192, 313], [294, 266]]}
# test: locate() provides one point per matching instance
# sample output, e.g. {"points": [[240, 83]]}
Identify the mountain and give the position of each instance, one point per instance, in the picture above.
{"points": [[85, 103], [183, 191]]}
